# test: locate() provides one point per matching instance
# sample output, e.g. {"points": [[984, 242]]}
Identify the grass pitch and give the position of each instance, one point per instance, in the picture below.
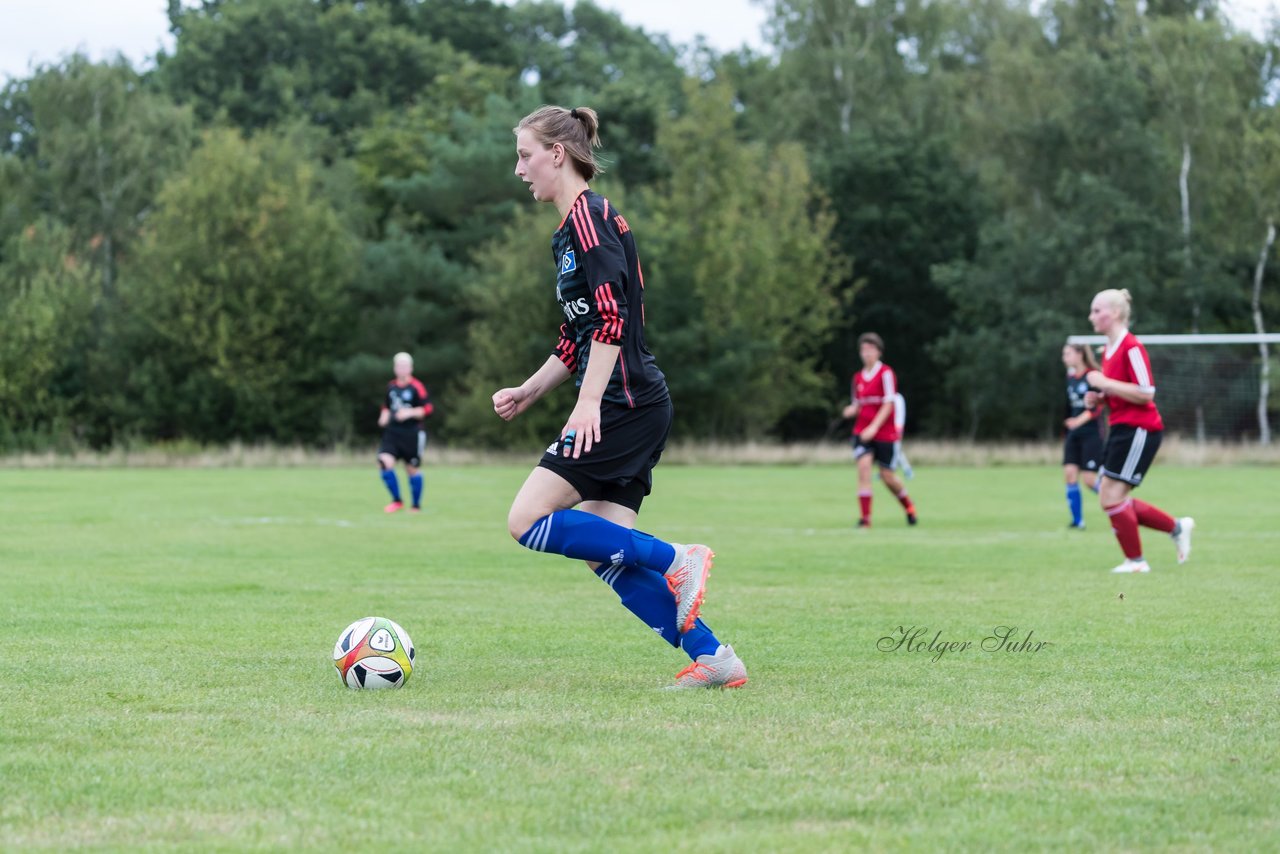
{"points": [[166, 680]]}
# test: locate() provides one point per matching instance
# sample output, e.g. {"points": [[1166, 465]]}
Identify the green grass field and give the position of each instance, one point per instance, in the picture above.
{"points": [[166, 680]]}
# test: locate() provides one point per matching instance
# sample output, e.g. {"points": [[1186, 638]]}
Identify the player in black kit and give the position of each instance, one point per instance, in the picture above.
{"points": [[602, 462], [403, 438], [1082, 449]]}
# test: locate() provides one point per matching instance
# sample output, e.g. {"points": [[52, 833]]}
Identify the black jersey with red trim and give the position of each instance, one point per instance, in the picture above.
{"points": [[601, 291], [411, 395]]}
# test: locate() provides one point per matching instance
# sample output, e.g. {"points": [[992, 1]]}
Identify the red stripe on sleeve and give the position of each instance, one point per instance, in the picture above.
{"points": [[565, 349], [581, 232], [611, 331], [586, 214]]}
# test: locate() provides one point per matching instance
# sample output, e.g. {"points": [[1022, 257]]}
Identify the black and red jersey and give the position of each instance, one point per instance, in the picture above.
{"points": [[601, 291], [410, 395]]}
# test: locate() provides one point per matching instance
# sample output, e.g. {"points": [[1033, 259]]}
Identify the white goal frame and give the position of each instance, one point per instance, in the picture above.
{"points": [[1261, 339]]}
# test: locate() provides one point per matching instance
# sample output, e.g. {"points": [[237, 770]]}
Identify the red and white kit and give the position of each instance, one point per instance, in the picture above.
{"points": [[1128, 362], [870, 389]]}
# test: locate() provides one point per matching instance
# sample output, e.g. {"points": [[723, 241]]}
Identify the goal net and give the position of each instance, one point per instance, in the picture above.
{"points": [[1213, 387]]}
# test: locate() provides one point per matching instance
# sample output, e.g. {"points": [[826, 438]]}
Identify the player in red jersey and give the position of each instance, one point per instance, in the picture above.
{"points": [[875, 433], [1127, 387]]}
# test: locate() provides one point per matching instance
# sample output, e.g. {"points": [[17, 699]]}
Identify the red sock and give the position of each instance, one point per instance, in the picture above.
{"points": [[1153, 517], [864, 501], [1124, 522], [905, 501]]}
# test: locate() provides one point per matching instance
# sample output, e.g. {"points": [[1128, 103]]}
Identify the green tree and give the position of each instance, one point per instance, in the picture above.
{"points": [[46, 296], [96, 144], [334, 64], [742, 270], [515, 328], [234, 309]]}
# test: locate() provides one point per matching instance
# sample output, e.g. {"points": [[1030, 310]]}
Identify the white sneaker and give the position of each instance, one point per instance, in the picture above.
{"points": [[1133, 566], [1182, 539], [722, 670], [687, 579]]}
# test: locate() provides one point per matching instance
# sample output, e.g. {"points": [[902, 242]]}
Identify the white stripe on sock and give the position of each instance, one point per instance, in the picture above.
{"points": [[536, 539]]}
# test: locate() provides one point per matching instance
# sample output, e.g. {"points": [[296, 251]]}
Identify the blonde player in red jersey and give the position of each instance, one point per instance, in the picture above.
{"points": [[875, 433], [1126, 386]]}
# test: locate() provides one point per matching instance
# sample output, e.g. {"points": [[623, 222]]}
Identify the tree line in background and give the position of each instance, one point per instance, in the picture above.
{"points": [[232, 244]]}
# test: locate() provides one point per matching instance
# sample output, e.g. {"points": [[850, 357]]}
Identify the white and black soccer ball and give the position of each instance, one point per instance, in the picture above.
{"points": [[373, 652]]}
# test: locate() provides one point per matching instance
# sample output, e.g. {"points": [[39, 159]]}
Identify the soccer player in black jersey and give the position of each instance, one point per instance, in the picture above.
{"points": [[404, 406], [602, 462], [1082, 448]]}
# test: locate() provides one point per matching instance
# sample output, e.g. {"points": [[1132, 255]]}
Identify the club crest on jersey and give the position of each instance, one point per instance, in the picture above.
{"points": [[568, 263]]}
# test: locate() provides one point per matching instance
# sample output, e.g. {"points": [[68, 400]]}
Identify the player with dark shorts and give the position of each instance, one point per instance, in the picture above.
{"points": [[1126, 385], [583, 497], [1082, 448], [404, 405], [876, 434]]}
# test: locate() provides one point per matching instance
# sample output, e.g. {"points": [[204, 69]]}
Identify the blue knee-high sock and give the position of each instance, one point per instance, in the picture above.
{"points": [[644, 593], [393, 485], [1074, 502], [586, 536], [415, 486]]}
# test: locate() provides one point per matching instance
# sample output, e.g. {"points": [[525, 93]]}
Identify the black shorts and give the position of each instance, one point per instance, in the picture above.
{"points": [[1083, 447], [883, 453], [1129, 453], [404, 445], [618, 468]]}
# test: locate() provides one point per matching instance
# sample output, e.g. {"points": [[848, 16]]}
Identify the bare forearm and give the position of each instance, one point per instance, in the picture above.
{"points": [[551, 374], [599, 370], [1131, 392]]}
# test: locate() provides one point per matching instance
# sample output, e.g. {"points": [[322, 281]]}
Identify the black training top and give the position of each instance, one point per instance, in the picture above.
{"points": [[601, 291], [1076, 389], [411, 395]]}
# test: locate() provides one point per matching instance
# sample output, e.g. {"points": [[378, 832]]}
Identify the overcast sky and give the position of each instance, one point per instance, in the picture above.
{"points": [[46, 30]]}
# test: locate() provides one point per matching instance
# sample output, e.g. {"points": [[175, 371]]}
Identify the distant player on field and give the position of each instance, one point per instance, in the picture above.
{"points": [[1082, 448], [1127, 387], [875, 433], [403, 437], [603, 458]]}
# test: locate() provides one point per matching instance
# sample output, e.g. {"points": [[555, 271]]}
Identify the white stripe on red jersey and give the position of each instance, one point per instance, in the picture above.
{"points": [[1127, 362]]}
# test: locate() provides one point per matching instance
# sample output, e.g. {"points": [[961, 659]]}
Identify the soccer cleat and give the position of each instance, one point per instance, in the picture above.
{"points": [[393, 507], [1132, 566], [415, 509], [1073, 525], [911, 518], [687, 580], [722, 670], [864, 522], [1182, 539]]}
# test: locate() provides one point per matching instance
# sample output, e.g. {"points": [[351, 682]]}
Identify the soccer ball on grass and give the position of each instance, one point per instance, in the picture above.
{"points": [[373, 652]]}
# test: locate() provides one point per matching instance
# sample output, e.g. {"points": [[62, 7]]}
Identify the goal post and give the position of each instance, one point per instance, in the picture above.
{"points": [[1211, 386]]}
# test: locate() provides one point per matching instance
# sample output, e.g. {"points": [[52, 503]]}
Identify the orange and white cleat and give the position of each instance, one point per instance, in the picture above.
{"points": [[722, 670], [687, 579], [393, 507]]}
